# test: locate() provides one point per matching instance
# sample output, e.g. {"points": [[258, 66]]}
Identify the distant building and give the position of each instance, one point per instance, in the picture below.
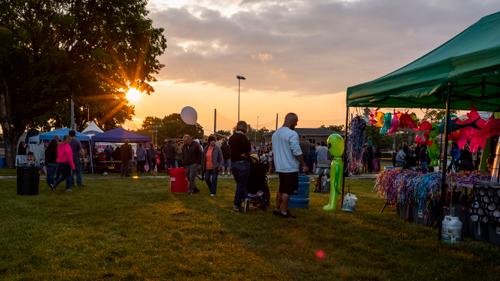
{"points": [[313, 135]]}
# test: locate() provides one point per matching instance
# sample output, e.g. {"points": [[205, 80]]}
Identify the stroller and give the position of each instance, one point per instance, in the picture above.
{"points": [[258, 189]]}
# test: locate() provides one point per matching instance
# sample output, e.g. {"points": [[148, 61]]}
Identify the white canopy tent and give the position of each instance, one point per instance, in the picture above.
{"points": [[92, 129]]}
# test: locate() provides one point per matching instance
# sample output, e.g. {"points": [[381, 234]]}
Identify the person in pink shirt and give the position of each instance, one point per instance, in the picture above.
{"points": [[65, 164]]}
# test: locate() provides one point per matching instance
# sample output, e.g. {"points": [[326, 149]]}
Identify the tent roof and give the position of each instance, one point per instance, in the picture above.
{"points": [[47, 136], [470, 62], [92, 128], [120, 135]]}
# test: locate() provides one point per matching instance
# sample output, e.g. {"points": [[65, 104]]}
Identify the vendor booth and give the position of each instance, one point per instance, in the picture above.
{"points": [[115, 136], [37, 143], [461, 74]]}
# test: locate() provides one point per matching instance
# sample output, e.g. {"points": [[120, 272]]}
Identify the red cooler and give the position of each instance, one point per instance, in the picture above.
{"points": [[178, 181]]}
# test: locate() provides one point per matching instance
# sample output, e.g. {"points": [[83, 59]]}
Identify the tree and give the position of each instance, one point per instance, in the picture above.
{"points": [[225, 133], [170, 126], [86, 50], [335, 128], [256, 136]]}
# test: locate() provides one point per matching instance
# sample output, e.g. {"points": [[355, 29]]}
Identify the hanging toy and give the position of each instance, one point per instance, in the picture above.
{"points": [[394, 123], [335, 147], [387, 124], [380, 119]]}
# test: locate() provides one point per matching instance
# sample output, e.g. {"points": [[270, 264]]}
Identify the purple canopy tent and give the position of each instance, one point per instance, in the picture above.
{"points": [[120, 135]]}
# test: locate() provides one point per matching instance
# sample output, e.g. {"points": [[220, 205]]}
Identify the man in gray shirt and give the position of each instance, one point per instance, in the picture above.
{"points": [[76, 148]]}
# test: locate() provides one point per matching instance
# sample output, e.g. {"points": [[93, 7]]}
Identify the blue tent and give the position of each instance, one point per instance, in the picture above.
{"points": [[120, 135], [61, 133]]}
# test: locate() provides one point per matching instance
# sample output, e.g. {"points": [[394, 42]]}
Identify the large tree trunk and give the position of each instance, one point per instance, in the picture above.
{"points": [[10, 136], [11, 148]]}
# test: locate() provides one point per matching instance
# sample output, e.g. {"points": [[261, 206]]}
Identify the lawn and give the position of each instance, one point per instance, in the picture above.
{"points": [[125, 229], [7, 172]]}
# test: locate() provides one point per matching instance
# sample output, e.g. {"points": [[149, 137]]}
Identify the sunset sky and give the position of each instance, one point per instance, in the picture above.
{"points": [[297, 56]]}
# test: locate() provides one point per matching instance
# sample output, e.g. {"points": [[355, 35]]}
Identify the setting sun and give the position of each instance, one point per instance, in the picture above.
{"points": [[133, 95]]}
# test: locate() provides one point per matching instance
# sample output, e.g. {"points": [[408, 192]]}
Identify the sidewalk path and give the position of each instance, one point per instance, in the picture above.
{"points": [[102, 177]]}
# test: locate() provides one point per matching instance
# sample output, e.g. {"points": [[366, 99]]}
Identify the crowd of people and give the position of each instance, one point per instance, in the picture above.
{"points": [[286, 155]]}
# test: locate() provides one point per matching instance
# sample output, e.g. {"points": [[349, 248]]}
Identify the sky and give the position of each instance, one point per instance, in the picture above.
{"points": [[297, 56]]}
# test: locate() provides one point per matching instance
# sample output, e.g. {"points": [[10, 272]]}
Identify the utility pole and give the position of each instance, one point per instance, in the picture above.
{"points": [[72, 125], [215, 122], [256, 129], [276, 122], [239, 77]]}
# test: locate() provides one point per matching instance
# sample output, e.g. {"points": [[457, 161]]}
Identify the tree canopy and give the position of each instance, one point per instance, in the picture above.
{"points": [[169, 127], [88, 50]]}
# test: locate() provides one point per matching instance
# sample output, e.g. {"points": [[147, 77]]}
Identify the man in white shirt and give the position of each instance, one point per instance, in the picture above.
{"points": [[287, 160]]}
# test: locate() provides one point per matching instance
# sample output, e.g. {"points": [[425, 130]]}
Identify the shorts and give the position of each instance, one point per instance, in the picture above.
{"points": [[289, 182]]}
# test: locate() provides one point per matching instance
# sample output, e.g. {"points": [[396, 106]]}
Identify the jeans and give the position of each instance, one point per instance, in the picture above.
{"points": [[241, 172], [140, 166], [170, 163], [211, 180], [64, 171], [77, 172], [51, 173], [191, 172], [124, 168]]}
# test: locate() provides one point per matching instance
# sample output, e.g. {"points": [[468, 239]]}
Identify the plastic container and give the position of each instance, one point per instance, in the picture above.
{"points": [[301, 198], [178, 181], [3, 162], [494, 234], [349, 202], [28, 180], [452, 230]]}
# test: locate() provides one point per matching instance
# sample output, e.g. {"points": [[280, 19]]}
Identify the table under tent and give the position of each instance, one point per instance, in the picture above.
{"points": [[462, 73], [116, 136]]}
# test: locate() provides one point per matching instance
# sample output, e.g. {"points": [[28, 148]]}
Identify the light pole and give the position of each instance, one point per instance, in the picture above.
{"points": [[239, 77]]}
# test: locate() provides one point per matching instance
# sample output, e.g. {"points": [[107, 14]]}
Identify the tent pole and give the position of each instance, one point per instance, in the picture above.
{"points": [[444, 162], [344, 156], [91, 157]]}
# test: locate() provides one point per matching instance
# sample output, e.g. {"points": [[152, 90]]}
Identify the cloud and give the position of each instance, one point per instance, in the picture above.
{"points": [[310, 47]]}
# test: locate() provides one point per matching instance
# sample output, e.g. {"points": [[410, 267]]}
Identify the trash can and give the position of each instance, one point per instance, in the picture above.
{"points": [[28, 180], [3, 163], [178, 181]]}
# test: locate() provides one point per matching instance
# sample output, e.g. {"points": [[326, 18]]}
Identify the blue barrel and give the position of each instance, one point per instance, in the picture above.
{"points": [[301, 199], [3, 162]]}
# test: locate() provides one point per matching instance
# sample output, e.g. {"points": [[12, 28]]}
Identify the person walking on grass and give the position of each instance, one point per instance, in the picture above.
{"points": [[77, 149], [287, 160], [65, 164], [226, 155], [126, 154], [141, 158], [191, 157], [212, 161], [51, 161], [151, 156], [240, 162]]}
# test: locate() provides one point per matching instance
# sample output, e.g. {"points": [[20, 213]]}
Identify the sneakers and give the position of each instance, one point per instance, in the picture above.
{"points": [[212, 195], [69, 190], [236, 209], [52, 187], [276, 212], [287, 215]]}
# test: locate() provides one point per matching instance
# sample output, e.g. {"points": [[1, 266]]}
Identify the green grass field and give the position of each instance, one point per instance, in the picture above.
{"points": [[125, 229]]}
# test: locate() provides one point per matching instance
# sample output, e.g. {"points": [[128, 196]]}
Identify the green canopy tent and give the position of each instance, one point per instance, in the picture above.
{"points": [[469, 63], [462, 72]]}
